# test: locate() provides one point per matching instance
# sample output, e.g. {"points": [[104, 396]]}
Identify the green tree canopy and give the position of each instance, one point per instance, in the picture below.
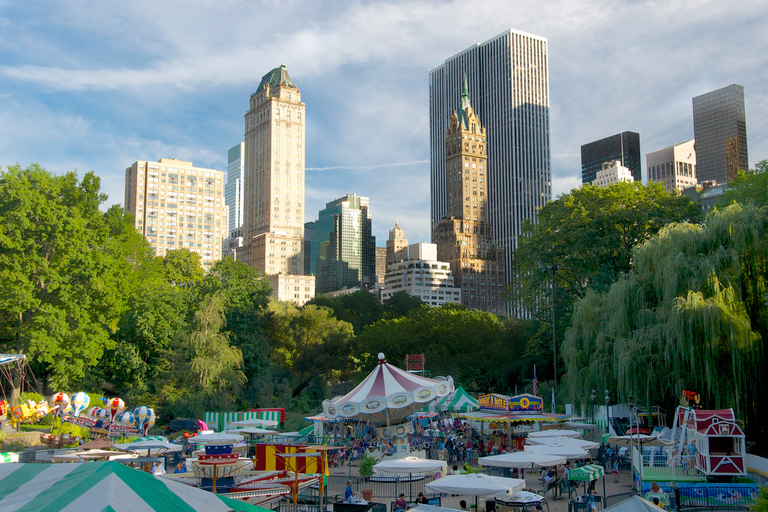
{"points": [[691, 314], [182, 267], [65, 268], [589, 235], [749, 187]]}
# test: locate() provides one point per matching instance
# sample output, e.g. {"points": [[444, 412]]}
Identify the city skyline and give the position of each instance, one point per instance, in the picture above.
{"points": [[175, 83]]}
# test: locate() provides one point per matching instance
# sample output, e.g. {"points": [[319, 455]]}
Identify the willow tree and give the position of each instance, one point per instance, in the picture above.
{"points": [[691, 314]]}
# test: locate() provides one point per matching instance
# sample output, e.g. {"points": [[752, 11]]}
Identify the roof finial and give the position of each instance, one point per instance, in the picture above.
{"points": [[465, 91]]}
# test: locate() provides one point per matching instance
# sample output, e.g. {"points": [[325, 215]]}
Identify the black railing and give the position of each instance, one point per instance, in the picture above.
{"points": [[617, 498], [382, 487]]}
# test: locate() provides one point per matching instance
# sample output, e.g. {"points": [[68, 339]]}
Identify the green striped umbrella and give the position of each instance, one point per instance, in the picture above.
{"points": [[586, 473], [102, 486]]}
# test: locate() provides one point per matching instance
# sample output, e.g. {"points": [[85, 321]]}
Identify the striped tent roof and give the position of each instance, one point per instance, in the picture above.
{"points": [[458, 401], [387, 395], [101, 486], [586, 473]]}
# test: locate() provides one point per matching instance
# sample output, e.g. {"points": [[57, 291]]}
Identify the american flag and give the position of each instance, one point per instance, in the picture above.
{"points": [[535, 382]]}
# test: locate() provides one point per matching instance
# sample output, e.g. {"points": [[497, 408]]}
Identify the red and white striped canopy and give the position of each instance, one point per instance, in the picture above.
{"points": [[387, 395]]}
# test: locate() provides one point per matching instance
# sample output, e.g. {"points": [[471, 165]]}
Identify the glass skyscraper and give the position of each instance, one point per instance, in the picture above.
{"points": [[509, 79], [343, 249], [624, 147], [720, 131], [233, 190]]}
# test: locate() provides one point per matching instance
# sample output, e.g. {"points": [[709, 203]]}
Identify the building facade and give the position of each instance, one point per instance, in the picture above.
{"points": [[397, 245], [233, 190], [422, 275], [292, 287], [273, 189], [380, 265], [674, 166], [720, 131], [509, 77], [612, 172], [343, 249], [624, 147], [463, 237], [176, 205]]}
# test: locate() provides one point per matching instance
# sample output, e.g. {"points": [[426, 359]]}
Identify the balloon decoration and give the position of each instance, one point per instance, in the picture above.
{"points": [[115, 406], [59, 402], [145, 418], [80, 401]]}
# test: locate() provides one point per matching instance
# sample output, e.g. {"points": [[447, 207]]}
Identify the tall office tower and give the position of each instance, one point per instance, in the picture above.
{"points": [[233, 190], [720, 130], [176, 205], [612, 172], [624, 147], [343, 248], [508, 76], [273, 191], [674, 166], [381, 265], [309, 232], [397, 245], [464, 238]]}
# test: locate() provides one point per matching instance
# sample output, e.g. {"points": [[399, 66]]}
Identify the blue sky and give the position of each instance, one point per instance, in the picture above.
{"points": [[99, 85]]}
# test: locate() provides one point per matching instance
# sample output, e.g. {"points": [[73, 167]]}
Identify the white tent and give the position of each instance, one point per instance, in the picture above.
{"points": [[569, 453], [251, 430], [215, 438], [150, 447], [476, 484], [555, 433], [92, 454], [409, 465], [643, 439], [522, 460], [255, 422], [567, 442]]}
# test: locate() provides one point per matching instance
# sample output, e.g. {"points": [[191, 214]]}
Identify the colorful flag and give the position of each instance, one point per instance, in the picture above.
{"points": [[535, 382]]}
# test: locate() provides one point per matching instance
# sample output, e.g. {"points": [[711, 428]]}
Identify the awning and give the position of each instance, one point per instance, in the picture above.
{"points": [[587, 473], [102, 486]]}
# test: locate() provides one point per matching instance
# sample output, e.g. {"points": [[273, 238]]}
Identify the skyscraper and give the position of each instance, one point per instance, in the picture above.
{"points": [[233, 190], [509, 79], [624, 147], [273, 183], [176, 205], [674, 166], [343, 248], [464, 238], [397, 245], [720, 131]]}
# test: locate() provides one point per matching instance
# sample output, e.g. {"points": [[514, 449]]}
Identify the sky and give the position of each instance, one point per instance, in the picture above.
{"points": [[100, 85]]}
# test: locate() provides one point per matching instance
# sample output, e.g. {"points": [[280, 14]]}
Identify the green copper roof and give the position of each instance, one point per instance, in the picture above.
{"points": [[276, 77], [464, 104]]}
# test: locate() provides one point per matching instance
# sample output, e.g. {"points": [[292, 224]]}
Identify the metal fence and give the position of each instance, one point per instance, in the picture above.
{"points": [[617, 498], [718, 496], [383, 487]]}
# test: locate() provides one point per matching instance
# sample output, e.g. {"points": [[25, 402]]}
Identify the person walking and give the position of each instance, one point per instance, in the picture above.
{"points": [[615, 470]]}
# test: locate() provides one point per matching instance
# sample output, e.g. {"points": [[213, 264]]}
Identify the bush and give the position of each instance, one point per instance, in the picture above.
{"points": [[366, 465]]}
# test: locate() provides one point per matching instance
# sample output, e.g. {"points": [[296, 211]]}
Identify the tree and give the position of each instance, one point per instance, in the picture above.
{"points": [[62, 268], [400, 304], [182, 267], [589, 235], [749, 187], [691, 314], [360, 308]]}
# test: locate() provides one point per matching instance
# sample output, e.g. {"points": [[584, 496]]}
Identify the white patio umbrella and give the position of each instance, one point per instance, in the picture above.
{"points": [[251, 430], [568, 442], [151, 447], [522, 460], [555, 433], [409, 465], [643, 439], [255, 422], [476, 484], [215, 438], [569, 453]]}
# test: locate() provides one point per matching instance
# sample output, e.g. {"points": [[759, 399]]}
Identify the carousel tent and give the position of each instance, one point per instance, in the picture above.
{"points": [[102, 486], [388, 395]]}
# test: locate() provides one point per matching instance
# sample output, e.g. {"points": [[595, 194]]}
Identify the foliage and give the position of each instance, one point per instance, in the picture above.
{"points": [[589, 234], [182, 267], [62, 288], [400, 304], [366, 465], [760, 503], [749, 187], [690, 315], [360, 308]]}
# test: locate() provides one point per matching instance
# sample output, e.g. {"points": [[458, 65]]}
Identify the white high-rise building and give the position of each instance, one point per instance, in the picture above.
{"points": [[612, 172], [674, 166], [422, 276], [233, 190], [508, 77]]}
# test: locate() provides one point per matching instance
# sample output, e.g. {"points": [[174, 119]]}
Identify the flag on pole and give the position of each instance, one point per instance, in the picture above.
{"points": [[535, 382]]}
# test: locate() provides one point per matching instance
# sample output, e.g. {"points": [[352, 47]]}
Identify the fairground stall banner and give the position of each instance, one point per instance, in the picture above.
{"points": [[519, 404], [266, 459]]}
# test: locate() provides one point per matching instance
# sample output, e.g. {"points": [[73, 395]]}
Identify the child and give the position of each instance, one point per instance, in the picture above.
{"points": [[615, 470]]}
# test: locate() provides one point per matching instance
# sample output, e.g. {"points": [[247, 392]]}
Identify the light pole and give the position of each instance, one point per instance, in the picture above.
{"points": [[607, 411], [554, 268], [593, 399]]}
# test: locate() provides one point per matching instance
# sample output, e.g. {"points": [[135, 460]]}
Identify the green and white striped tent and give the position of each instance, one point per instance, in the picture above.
{"points": [[9, 457], [458, 401], [102, 486], [219, 420]]}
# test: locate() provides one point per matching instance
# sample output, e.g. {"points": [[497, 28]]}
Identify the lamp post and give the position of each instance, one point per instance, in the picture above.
{"points": [[592, 399], [607, 411], [554, 268]]}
